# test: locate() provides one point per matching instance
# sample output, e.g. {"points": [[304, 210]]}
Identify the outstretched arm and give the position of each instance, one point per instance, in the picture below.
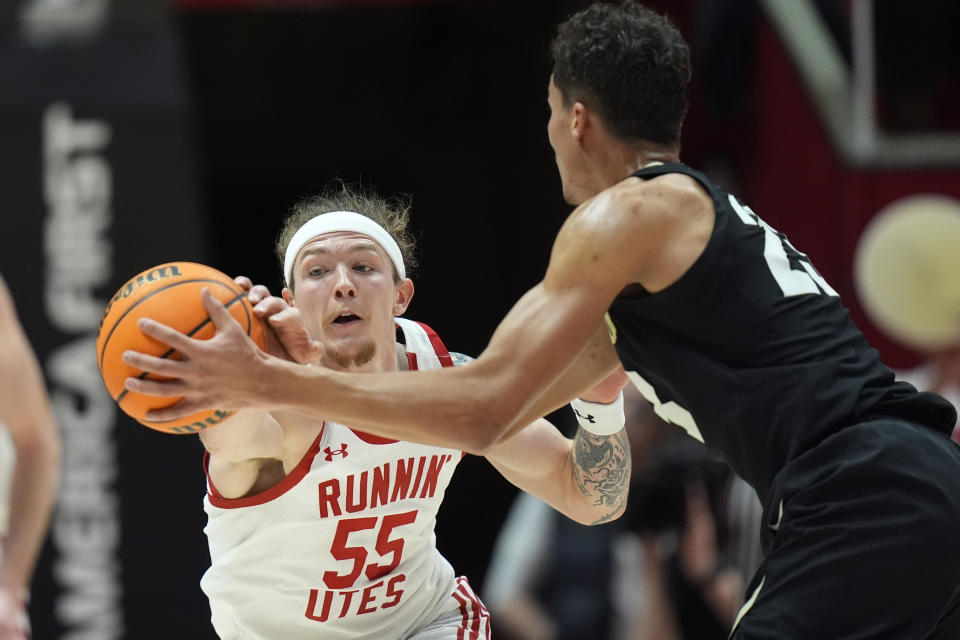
{"points": [[606, 244], [467, 407], [26, 412]]}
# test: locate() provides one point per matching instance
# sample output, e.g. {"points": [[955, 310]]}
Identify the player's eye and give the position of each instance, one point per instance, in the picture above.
{"points": [[362, 267]]}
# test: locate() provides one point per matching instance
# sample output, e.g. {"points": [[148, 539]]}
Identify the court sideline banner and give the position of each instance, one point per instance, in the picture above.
{"points": [[97, 184]]}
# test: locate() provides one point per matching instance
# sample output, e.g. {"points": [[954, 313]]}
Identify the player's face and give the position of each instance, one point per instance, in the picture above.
{"points": [[347, 297], [563, 142]]}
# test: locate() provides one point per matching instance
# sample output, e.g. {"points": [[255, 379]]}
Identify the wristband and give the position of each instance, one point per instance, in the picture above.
{"points": [[599, 419]]}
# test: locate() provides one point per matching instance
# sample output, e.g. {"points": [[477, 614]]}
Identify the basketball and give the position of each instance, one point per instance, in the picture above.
{"points": [[170, 294]]}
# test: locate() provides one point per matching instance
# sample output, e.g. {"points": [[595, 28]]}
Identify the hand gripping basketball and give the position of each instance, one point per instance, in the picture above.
{"points": [[288, 338], [219, 372], [170, 294]]}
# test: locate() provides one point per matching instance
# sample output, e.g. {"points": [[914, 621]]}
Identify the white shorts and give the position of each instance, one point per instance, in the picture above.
{"points": [[470, 622]]}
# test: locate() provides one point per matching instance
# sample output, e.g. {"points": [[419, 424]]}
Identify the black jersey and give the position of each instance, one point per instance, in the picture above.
{"points": [[752, 352]]}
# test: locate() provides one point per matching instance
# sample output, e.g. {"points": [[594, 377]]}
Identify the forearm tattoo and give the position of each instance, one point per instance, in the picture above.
{"points": [[601, 468]]}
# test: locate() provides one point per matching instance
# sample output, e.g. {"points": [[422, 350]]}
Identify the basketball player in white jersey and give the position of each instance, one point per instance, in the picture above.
{"points": [[319, 530], [29, 468]]}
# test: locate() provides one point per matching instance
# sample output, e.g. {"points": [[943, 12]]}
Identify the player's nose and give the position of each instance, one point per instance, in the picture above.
{"points": [[344, 286]]}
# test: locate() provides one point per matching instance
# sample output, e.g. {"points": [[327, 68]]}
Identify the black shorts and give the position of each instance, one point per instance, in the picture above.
{"points": [[868, 544]]}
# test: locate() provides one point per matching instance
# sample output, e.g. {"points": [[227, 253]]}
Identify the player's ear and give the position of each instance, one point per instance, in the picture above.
{"points": [[287, 296], [579, 120], [404, 296]]}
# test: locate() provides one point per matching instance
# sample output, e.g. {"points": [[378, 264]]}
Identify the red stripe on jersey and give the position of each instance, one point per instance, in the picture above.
{"points": [[211, 490], [475, 623], [482, 616], [446, 360], [273, 492], [369, 438], [465, 618], [442, 354]]}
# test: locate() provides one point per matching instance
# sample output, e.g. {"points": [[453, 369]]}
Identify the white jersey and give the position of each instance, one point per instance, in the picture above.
{"points": [[344, 546]]}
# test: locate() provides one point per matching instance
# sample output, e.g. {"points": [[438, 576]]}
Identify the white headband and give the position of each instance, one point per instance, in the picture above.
{"points": [[341, 221]]}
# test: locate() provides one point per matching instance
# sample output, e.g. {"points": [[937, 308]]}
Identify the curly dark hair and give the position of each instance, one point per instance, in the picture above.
{"points": [[629, 64], [393, 214]]}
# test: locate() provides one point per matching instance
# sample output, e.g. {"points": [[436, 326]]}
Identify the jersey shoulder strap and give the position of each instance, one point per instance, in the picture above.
{"points": [[425, 350], [661, 169]]}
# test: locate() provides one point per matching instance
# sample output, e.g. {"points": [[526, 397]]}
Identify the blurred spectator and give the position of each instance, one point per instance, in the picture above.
{"points": [[676, 508], [551, 578], [907, 272]]}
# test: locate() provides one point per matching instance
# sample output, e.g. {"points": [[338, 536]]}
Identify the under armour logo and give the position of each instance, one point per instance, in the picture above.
{"points": [[342, 451], [589, 418]]}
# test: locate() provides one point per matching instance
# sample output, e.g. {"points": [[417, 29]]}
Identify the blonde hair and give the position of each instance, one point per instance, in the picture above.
{"points": [[393, 214]]}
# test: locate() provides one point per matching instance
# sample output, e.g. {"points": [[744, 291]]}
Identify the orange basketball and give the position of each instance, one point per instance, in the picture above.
{"points": [[168, 293]]}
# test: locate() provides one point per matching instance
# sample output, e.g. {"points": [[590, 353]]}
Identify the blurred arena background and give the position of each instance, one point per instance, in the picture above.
{"points": [[139, 131]]}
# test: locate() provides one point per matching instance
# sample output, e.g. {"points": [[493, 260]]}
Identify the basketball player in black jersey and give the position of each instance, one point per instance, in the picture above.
{"points": [[719, 321]]}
